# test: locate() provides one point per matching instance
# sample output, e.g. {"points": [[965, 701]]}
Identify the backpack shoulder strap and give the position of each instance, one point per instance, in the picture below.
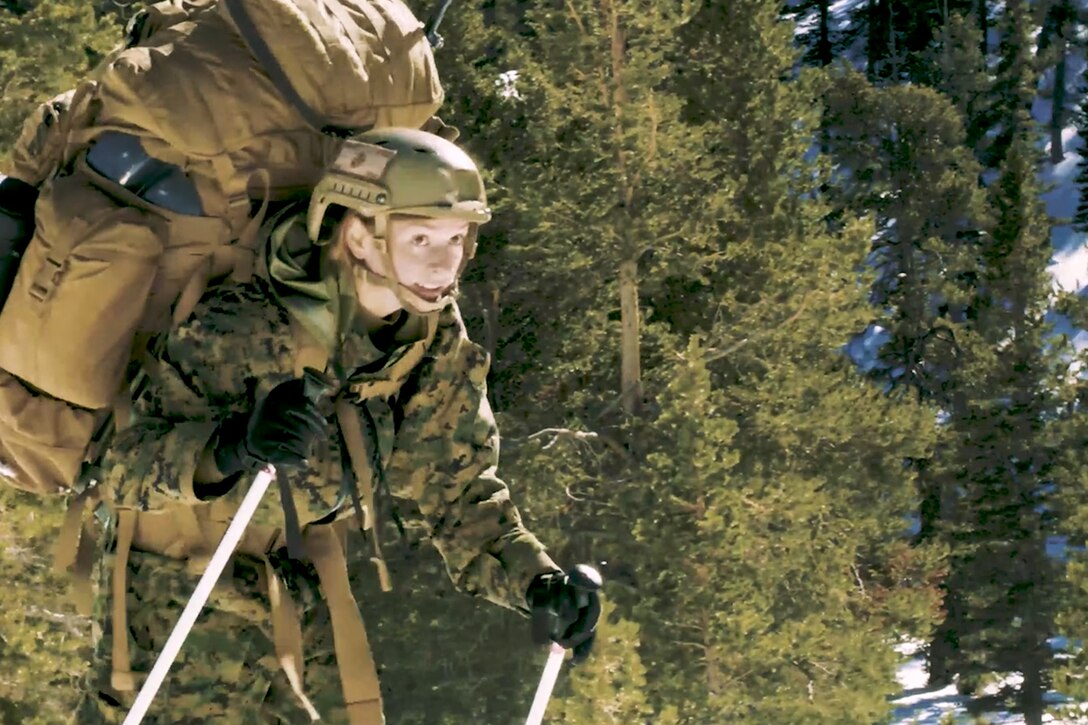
{"points": [[358, 673], [74, 549], [237, 14], [352, 429], [122, 678]]}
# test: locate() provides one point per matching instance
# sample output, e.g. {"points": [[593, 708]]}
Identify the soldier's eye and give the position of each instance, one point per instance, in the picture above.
{"points": [[420, 240], [457, 240]]}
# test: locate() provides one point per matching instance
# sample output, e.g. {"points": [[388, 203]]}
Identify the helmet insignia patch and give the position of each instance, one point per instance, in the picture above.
{"points": [[364, 161]]}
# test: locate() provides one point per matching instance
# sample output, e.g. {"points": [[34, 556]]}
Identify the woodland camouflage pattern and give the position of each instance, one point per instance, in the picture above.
{"points": [[227, 670], [435, 433]]}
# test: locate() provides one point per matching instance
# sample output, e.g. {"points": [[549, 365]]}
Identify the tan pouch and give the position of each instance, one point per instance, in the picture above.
{"points": [[42, 439], [69, 324]]}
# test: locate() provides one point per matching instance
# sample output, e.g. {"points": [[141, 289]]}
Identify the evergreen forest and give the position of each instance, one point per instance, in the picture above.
{"points": [[775, 343]]}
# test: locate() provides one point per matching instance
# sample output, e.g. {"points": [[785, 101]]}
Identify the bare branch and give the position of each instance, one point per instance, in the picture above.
{"points": [[857, 578], [71, 623], [719, 354], [655, 122], [559, 434], [576, 17]]}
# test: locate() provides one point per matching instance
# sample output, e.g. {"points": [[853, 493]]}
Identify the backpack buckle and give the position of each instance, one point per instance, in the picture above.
{"points": [[47, 279]]}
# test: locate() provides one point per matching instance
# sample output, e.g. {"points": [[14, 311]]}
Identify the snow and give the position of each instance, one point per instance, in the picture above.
{"points": [[922, 705], [919, 703], [1069, 265]]}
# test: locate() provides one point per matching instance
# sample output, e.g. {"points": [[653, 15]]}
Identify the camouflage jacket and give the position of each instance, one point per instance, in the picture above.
{"points": [[434, 428]]}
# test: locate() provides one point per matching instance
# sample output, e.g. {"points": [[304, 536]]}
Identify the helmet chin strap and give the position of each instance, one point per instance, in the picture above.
{"points": [[407, 298]]}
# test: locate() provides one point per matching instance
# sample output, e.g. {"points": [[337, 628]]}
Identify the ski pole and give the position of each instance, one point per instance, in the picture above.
{"points": [[200, 596], [547, 683], [430, 30]]}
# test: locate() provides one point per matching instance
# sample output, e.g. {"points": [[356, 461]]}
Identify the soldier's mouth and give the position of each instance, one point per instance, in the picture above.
{"points": [[431, 294]]}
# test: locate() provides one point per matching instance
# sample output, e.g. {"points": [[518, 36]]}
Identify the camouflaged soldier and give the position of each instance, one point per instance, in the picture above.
{"points": [[358, 283]]}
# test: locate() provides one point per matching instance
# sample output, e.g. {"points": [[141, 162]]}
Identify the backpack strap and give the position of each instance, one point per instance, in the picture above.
{"points": [[237, 13], [358, 673], [122, 678], [287, 635], [310, 354], [362, 466], [74, 551], [249, 239]]}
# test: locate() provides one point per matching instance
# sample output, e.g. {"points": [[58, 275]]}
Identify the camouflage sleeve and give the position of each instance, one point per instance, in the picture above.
{"points": [[236, 342], [445, 461]]}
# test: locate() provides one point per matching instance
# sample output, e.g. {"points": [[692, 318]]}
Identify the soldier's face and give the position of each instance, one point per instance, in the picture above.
{"points": [[426, 253]]}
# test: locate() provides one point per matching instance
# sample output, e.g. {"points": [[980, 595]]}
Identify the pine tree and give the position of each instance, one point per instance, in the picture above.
{"points": [[1001, 462], [898, 36], [757, 411], [911, 170], [729, 506], [44, 51], [819, 38], [960, 73], [1071, 427], [1080, 218], [769, 595], [610, 688], [1014, 84], [1004, 454], [1060, 26]]}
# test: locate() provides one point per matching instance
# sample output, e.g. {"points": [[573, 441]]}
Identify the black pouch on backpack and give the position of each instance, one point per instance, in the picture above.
{"points": [[17, 200]]}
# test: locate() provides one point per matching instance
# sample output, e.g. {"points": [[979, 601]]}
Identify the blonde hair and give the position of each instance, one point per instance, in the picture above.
{"points": [[338, 251]]}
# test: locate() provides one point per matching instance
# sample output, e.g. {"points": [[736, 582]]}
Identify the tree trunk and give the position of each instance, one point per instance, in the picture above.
{"points": [[1031, 695], [893, 46], [1057, 109], [631, 354], [941, 655], [823, 46], [983, 28], [872, 46], [491, 340], [631, 363], [929, 504]]}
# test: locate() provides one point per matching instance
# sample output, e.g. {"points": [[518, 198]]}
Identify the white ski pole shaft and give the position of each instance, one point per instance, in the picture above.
{"points": [[547, 683], [200, 596]]}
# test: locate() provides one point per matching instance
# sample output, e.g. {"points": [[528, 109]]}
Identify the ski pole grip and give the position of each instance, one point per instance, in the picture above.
{"points": [[586, 577]]}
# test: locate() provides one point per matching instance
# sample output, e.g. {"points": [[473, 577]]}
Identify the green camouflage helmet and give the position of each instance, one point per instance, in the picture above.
{"points": [[402, 171]]}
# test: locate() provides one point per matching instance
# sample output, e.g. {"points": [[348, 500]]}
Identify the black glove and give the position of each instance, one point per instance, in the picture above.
{"points": [[281, 430], [565, 608]]}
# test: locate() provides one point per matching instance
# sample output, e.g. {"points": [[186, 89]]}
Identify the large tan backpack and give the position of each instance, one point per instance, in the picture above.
{"points": [[244, 99]]}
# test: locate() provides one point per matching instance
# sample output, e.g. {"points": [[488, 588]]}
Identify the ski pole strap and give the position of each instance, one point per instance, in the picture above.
{"points": [[290, 518]]}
